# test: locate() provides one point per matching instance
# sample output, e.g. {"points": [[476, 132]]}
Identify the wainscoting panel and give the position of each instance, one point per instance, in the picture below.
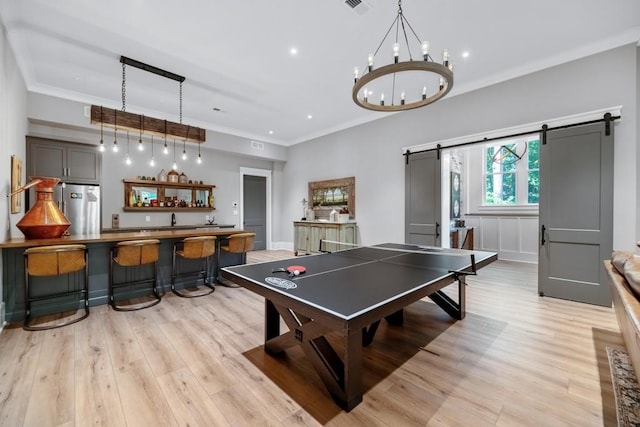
{"points": [[515, 238]]}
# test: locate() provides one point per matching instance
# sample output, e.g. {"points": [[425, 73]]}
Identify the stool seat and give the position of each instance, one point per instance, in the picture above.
{"points": [[239, 243], [55, 260], [193, 248], [130, 254]]}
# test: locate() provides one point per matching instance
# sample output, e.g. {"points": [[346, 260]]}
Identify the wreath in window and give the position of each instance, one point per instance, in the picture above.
{"points": [[509, 154]]}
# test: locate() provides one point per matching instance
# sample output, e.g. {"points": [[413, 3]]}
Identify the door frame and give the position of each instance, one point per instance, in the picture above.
{"points": [[266, 173]]}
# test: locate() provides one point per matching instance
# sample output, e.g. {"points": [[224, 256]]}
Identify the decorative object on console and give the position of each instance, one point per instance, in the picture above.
{"points": [[385, 78], [123, 120], [16, 183]]}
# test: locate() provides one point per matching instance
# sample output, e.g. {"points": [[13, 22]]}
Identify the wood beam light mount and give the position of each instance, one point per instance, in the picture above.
{"points": [[123, 120]]}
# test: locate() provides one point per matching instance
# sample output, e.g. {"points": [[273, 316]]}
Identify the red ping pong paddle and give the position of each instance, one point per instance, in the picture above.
{"points": [[293, 268]]}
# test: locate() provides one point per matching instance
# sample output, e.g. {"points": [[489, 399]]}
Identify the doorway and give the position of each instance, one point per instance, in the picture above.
{"points": [[255, 210]]}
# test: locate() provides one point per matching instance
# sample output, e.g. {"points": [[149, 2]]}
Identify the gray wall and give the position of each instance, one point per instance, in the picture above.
{"points": [[13, 127], [372, 152]]}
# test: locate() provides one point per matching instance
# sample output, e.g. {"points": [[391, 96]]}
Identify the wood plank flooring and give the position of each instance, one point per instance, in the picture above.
{"points": [[516, 360]]}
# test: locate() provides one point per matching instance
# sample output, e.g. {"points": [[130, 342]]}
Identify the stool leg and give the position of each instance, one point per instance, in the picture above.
{"points": [[86, 282], [174, 272], [111, 300], [27, 303]]}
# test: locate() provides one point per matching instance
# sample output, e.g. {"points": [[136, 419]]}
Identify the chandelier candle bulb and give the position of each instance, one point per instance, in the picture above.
{"points": [[356, 72], [396, 52], [365, 94], [370, 59], [424, 92], [402, 98], [425, 50], [382, 99], [445, 57], [441, 83]]}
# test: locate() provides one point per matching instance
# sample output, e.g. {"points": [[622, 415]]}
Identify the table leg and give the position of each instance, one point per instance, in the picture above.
{"points": [[271, 321]]}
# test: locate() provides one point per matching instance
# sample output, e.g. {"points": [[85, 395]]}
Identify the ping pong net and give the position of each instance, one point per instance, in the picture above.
{"points": [[331, 246]]}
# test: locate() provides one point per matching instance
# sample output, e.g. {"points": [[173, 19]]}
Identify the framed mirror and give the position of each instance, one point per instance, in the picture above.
{"points": [[338, 194]]}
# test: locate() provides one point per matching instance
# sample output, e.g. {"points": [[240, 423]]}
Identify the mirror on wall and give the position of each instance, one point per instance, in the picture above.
{"points": [[146, 193], [338, 194], [178, 193]]}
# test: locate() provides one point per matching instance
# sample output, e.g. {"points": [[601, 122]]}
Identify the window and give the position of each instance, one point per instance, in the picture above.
{"points": [[511, 173]]}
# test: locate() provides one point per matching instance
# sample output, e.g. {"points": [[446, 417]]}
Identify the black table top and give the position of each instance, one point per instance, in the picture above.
{"points": [[350, 282]]}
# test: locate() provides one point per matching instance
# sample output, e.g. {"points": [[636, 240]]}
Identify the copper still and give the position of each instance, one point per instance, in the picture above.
{"points": [[44, 220]]}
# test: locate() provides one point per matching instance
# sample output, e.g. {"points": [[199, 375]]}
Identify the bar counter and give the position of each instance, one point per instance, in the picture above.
{"points": [[99, 246]]}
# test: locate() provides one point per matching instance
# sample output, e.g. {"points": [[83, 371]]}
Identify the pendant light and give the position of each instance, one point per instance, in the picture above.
{"points": [[152, 162], [127, 160], [175, 165], [115, 131], [101, 147], [199, 156], [165, 151], [184, 150], [140, 146]]}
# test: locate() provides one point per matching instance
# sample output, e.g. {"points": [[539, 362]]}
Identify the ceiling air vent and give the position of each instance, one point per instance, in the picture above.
{"points": [[256, 145], [360, 6]]}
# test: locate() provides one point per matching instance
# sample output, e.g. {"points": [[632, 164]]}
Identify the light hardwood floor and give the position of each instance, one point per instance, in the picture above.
{"points": [[516, 360]]}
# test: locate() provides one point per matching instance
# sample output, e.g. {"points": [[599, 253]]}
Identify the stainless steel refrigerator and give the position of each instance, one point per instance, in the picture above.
{"points": [[80, 204]]}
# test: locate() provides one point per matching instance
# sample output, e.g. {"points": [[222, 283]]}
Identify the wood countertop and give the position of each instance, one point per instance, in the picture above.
{"points": [[21, 242]]}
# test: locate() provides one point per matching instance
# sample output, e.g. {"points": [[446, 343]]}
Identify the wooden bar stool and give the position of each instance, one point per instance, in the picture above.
{"points": [[240, 243], [131, 255], [55, 261], [200, 247]]}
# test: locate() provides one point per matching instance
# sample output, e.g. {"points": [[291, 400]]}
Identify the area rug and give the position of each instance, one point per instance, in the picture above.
{"points": [[625, 388]]}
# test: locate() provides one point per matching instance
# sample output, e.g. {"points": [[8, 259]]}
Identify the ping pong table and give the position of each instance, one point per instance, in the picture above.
{"points": [[349, 292]]}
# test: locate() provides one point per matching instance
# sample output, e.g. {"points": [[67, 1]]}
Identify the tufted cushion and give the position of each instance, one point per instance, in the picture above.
{"points": [[619, 259], [632, 273]]}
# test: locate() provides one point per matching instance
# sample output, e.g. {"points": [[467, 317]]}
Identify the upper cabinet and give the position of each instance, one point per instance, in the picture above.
{"points": [[72, 163]]}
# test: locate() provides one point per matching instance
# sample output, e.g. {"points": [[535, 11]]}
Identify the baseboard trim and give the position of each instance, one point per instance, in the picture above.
{"points": [[282, 245]]}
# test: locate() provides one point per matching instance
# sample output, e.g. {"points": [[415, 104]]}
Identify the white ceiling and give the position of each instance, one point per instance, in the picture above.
{"points": [[235, 54]]}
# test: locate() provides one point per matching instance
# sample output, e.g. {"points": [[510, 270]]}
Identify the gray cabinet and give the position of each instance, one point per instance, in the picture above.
{"points": [[73, 163], [308, 234]]}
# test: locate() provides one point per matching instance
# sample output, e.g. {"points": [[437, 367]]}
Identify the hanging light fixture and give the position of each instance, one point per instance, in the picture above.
{"points": [[152, 162], [127, 160], [144, 124], [389, 78], [115, 132], [140, 146], [199, 156], [101, 147]]}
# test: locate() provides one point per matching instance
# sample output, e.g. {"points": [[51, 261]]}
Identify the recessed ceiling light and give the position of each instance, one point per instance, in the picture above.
{"points": [[465, 54], [293, 51], [309, 116]]}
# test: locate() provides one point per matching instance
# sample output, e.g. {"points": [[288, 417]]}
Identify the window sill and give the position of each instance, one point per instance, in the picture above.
{"points": [[515, 210]]}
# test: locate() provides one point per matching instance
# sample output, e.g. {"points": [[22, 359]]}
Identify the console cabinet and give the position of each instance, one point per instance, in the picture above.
{"points": [[308, 234], [72, 163]]}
